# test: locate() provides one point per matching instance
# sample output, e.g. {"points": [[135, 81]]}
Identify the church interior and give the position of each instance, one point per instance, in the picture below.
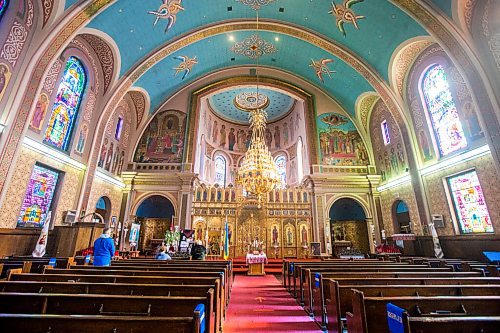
{"points": [[310, 148]]}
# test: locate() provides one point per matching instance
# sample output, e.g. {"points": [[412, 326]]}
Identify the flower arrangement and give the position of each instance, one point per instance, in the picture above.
{"points": [[172, 236]]}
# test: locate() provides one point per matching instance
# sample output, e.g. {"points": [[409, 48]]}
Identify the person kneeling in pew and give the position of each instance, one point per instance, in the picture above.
{"points": [[104, 249]]}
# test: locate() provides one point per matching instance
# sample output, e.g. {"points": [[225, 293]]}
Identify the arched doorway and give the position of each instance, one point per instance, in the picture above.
{"points": [[155, 215], [103, 208], [348, 226], [401, 217]]}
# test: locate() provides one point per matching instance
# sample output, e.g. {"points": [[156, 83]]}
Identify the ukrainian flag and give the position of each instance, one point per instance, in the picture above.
{"points": [[226, 240]]}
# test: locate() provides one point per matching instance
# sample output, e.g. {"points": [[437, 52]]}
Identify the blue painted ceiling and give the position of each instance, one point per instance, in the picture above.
{"points": [[222, 103], [383, 28]]}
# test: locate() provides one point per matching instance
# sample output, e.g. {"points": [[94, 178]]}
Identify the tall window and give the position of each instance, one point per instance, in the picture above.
{"points": [[300, 162], [220, 171], [66, 105], [442, 111], [3, 7], [470, 206], [119, 126], [38, 198], [281, 167], [385, 132]]}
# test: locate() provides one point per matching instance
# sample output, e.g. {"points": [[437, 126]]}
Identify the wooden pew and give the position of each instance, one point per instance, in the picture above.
{"points": [[228, 264], [298, 275], [35, 323], [289, 267], [155, 280], [132, 271], [369, 313], [338, 297], [163, 267], [470, 324], [104, 305], [305, 290], [111, 289]]}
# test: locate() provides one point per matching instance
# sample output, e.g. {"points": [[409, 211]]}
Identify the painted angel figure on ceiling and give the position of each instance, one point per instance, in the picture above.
{"points": [[168, 11]]}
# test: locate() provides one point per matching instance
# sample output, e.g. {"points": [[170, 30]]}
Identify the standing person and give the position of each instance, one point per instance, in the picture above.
{"points": [[104, 249], [163, 254], [198, 251]]}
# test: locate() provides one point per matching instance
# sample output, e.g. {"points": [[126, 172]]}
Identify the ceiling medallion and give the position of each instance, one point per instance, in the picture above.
{"points": [[253, 47], [256, 4], [344, 14], [321, 67], [250, 101], [168, 11], [185, 66]]}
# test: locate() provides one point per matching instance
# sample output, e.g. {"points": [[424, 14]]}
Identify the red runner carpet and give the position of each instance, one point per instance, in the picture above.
{"points": [[261, 304]]}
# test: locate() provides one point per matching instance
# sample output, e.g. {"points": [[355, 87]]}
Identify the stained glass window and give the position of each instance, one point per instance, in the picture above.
{"points": [[66, 104], [385, 132], [220, 171], [38, 198], [281, 166], [119, 126], [470, 206], [3, 7], [442, 111]]}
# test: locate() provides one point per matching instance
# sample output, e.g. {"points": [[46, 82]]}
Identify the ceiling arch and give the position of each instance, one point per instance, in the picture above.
{"points": [[161, 82], [384, 27]]}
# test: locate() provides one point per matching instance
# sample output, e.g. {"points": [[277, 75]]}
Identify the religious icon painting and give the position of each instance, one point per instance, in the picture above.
{"points": [[275, 234], [5, 75]]}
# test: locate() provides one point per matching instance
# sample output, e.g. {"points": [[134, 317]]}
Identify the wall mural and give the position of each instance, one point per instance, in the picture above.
{"points": [[226, 135], [5, 75], [340, 142], [40, 110], [344, 14], [185, 66], [321, 67], [167, 11], [388, 145], [163, 139]]}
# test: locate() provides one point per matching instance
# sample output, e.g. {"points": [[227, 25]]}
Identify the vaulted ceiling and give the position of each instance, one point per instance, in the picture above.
{"points": [[194, 38]]}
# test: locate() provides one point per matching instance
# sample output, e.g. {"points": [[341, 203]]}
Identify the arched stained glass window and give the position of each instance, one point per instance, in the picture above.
{"points": [[220, 171], [281, 167], [66, 105], [3, 7], [442, 111]]}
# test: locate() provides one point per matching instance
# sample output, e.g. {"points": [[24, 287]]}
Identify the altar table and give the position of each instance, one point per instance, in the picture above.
{"points": [[256, 263]]}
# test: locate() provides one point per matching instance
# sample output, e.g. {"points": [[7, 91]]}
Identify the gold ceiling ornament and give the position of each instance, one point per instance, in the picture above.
{"points": [[258, 174]]}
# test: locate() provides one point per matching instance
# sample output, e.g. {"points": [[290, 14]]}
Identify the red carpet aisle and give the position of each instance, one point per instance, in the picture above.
{"points": [[261, 304]]}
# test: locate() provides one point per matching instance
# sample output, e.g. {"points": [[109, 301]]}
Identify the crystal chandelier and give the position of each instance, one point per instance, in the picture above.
{"points": [[258, 173]]}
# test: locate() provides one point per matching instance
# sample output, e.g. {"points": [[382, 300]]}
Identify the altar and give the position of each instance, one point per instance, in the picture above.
{"points": [[256, 263]]}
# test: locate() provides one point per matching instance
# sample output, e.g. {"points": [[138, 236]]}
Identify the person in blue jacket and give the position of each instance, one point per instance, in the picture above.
{"points": [[104, 249], [163, 254]]}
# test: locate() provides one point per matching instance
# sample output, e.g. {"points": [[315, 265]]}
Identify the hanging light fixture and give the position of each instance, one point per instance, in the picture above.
{"points": [[258, 173]]}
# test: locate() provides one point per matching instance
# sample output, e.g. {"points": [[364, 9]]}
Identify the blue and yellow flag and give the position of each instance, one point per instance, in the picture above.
{"points": [[226, 240]]}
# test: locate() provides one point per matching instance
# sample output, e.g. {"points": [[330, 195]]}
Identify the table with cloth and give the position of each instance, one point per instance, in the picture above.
{"points": [[256, 263]]}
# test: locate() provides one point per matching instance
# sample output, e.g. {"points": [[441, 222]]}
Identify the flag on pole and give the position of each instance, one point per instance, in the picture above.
{"points": [[226, 240], [41, 244], [438, 251]]}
